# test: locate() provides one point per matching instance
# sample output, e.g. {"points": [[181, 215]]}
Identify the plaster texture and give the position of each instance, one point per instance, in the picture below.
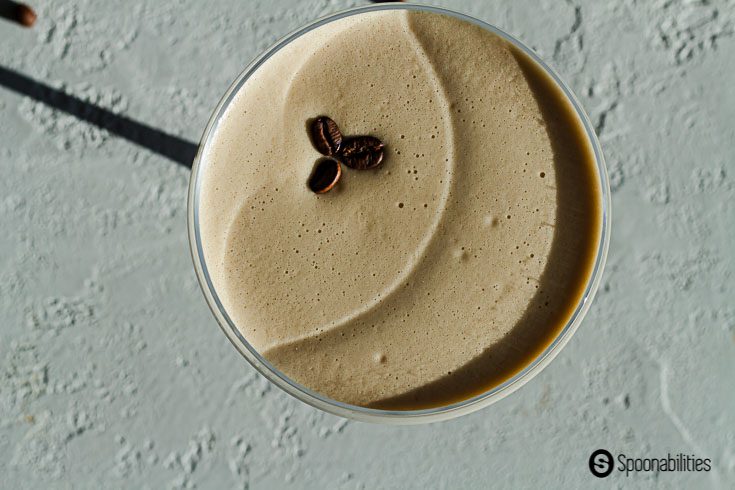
{"points": [[114, 374]]}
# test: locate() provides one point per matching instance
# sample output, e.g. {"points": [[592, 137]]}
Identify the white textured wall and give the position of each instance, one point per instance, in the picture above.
{"points": [[113, 373]]}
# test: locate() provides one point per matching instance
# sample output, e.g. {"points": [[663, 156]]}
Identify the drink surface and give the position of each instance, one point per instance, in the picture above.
{"points": [[433, 277]]}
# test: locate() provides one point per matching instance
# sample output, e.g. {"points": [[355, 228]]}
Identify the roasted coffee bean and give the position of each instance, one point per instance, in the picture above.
{"points": [[325, 175], [17, 12], [365, 160], [326, 136], [361, 152]]}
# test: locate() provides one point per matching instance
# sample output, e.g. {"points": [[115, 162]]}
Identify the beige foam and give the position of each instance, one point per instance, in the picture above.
{"points": [[390, 289]]}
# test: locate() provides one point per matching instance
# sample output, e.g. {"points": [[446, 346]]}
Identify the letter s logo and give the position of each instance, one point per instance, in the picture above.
{"points": [[601, 463]]}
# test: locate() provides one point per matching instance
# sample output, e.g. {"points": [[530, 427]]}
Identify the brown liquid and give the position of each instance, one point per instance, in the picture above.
{"points": [[435, 277]]}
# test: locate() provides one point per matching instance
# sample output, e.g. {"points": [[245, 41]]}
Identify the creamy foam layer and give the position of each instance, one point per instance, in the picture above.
{"points": [[433, 277]]}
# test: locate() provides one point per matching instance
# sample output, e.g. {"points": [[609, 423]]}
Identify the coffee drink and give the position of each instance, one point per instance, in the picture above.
{"points": [[399, 209]]}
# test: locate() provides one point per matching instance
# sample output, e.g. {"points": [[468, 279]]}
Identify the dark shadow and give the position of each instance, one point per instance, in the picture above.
{"points": [[571, 258], [172, 147]]}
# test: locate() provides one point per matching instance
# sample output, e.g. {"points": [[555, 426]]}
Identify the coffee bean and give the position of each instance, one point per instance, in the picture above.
{"points": [[325, 175], [17, 12], [364, 161], [361, 152], [326, 136], [25, 15]]}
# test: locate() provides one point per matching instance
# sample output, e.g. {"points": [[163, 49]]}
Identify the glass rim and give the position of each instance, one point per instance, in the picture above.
{"points": [[357, 412]]}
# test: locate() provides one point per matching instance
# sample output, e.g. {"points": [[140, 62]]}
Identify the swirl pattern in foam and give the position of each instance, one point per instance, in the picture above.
{"points": [[438, 269]]}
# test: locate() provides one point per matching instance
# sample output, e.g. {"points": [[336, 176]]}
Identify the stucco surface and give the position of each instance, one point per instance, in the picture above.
{"points": [[113, 373]]}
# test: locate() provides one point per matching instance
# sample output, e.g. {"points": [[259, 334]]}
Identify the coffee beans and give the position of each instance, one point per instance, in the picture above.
{"points": [[326, 136], [357, 152], [325, 175], [362, 152]]}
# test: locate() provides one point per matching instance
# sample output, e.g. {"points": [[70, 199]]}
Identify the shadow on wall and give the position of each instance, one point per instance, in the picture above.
{"points": [[172, 147]]}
